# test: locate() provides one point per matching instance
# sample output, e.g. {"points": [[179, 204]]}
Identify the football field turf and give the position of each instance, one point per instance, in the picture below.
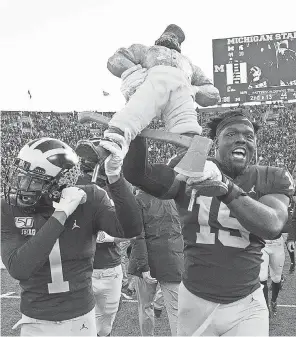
{"points": [[126, 322]]}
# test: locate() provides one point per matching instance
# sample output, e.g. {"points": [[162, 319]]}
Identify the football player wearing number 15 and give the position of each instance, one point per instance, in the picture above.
{"points": [[49, 230], [220, 293]]}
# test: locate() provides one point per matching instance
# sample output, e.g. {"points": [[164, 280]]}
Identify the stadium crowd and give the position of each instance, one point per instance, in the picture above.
{"points": [[276, 138]]}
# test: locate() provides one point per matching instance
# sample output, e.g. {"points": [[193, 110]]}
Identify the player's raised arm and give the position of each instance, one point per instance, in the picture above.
{"points": [[155, 179], [23, 259], [128, 215]]}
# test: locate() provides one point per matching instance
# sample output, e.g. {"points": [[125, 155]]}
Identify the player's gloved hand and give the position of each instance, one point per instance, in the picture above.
{"points": [[210, 172], [211, 183], [148, 278], [291, 246], [118, 146], [71, 197], [104, 237], [132, 78]]}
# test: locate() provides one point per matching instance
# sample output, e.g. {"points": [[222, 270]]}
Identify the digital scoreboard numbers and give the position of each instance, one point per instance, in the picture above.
{"points": [[255, 68]]}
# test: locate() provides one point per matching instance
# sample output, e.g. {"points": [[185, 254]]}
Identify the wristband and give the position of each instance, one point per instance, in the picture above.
{"points": [[234, 192]]}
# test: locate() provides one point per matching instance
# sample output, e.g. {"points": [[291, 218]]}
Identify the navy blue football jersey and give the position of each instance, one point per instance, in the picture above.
{"points": [[222, 258], [54, 263]]}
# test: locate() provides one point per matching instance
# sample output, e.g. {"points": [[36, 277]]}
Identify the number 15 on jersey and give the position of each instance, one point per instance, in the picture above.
{"points": [[228, 223]]}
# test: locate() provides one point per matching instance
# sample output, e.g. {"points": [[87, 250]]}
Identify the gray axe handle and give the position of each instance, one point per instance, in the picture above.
{"points": [[159, 135]]}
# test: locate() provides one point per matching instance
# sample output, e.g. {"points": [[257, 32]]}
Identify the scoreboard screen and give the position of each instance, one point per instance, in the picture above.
{"points": [[255, 68]]}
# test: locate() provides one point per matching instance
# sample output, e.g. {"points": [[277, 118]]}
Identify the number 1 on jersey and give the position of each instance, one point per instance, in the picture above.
{"points": [[57, 285]]}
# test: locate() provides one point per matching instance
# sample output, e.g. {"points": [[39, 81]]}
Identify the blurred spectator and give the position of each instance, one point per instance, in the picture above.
{"points": [[157, 257]]}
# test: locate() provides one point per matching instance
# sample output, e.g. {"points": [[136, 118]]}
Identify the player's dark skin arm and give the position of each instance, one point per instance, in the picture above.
{"points": [[265, 217], [23, 259]]}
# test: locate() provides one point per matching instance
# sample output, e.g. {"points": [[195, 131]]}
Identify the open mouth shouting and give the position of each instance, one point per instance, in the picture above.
{"points": [[239, 153]]}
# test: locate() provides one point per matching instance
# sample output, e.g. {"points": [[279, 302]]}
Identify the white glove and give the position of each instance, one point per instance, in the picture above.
{"points": [[291, 246], [71, 197], [132, 78], [114, 162], [148, 278], [210, 172], [104, 237]]}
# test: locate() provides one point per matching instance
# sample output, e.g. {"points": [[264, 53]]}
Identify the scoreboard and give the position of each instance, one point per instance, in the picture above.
{"points": [[255, 68]]}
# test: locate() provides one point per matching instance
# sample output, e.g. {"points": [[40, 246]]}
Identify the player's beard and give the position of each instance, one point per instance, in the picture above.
{"points": [[231, 169]]}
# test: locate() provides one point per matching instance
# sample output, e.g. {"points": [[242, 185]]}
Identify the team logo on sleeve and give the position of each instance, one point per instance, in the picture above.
{"points": [[25, 224]]}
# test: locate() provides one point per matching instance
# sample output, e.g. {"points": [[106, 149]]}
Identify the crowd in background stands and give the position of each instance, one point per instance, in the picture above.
{"points": [[276, 138]]}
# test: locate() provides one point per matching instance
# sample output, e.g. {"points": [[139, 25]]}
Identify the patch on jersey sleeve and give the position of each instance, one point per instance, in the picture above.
{"points": [[23, 222]]}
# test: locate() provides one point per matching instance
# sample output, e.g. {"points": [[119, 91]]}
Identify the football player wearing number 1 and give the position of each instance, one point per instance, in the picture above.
{"points": [[223, 236], [49, 229]]}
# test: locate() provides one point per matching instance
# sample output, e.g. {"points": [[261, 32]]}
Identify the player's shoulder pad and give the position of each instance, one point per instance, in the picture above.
{"points": [[278, 180]]}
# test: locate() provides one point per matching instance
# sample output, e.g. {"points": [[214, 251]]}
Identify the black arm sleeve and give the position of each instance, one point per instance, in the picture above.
{"points": [[155, 179], [127, 210]]}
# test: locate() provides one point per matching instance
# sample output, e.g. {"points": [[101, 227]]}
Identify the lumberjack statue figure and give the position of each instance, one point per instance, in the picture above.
{"points": [[170, 85], [157, 81]]}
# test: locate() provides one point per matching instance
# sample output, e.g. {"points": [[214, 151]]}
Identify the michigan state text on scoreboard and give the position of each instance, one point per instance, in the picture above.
{"points": [[255, 68]]}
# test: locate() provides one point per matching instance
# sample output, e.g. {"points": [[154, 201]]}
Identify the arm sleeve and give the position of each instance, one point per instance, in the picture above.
{"points": [[125, 58], [207, 94], [105, 215], [127, 210], [155, 179], [23, 259]]}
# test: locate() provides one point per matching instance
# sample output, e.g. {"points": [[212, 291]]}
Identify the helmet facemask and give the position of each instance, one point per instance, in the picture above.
{"points": [[29, 189]]}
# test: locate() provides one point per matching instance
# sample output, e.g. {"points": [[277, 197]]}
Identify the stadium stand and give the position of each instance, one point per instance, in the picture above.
{"points": [[276, 138]]}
